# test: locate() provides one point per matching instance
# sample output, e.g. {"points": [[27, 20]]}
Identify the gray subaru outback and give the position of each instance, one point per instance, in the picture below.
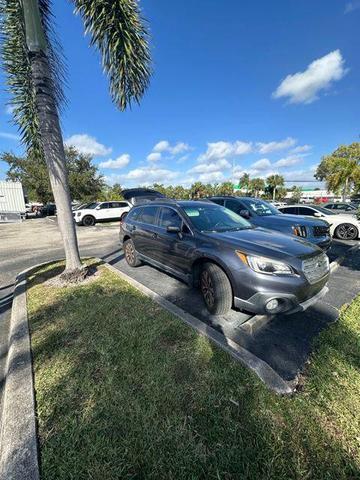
{"points": [[234, 263]]}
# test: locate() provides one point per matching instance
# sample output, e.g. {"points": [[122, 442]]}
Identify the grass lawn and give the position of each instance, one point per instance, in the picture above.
{"points": [[125, 390]]}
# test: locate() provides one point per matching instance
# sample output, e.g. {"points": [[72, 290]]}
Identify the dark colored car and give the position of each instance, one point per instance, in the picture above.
{"points": [[340, 207], [233, 263], [263, 214]]}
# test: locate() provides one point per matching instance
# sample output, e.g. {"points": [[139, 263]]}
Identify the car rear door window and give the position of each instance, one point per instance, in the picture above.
{"points": [[290, 210], [169, 217], [306, 211], [148, 215]]}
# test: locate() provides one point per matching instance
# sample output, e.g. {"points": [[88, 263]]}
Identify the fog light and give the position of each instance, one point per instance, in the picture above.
{"points": [[272, 305]]}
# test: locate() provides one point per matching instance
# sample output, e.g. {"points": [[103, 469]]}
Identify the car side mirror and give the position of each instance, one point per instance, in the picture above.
{"points": [[173, 229], [318, 214], [97, 208], [244, 213]]}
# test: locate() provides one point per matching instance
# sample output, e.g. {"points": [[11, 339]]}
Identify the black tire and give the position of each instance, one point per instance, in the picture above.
{"points": [[88, 221], [216, 289], [346, 231], [130, 253]]}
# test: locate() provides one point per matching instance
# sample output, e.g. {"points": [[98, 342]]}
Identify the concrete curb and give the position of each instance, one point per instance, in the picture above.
{"points": [[249, 360], [334, 265], [18, 439]]}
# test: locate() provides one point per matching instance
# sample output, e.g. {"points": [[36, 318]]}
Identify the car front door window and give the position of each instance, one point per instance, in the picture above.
{"points": [[170, 218]]}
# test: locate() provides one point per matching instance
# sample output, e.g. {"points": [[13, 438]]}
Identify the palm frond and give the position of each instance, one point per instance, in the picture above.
{"points": [[16, 62], [118, 31]]}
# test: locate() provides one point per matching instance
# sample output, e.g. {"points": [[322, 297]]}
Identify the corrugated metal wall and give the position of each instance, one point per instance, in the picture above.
{"points": [[11, 197]]}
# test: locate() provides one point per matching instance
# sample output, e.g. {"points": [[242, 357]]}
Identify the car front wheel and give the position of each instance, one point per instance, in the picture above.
{"points": [[88, 221], [346, 231], [216, 289], [131, 255]]}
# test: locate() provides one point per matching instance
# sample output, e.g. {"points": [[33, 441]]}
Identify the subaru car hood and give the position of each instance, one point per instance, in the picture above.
{"points": [[288, 219], [265, 242]]}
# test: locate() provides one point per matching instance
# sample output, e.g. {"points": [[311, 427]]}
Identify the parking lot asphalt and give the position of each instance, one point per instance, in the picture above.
{"points": [[284, 342]]}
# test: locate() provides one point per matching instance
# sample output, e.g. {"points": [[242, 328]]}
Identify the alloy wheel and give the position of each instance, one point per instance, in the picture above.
{"points": [[346, 231], [207, 288], [130, 253]]}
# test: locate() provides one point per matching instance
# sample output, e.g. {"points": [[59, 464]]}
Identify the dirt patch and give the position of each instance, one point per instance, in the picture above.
{"points": [[87, 275]]}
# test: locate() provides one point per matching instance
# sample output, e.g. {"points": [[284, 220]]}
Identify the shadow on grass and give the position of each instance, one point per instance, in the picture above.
{"points": [[124, 390]]}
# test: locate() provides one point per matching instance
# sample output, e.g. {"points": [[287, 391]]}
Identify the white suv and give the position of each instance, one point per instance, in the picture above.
{"points": [[95, 212]]}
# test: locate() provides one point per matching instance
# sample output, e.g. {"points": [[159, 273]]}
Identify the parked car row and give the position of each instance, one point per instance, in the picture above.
{"points": [[342, 226]]}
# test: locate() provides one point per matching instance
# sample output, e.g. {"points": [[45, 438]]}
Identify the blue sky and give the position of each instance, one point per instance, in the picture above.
{"points": [[261, 87]]}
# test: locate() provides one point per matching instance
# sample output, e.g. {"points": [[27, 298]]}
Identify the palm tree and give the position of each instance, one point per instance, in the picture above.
{"points": [[32, 61], [244, 182], [274, 182], [256, 185], [341, 169]]}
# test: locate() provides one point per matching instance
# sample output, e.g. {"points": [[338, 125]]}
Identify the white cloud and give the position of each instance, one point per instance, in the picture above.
{"points": [[263, 164], [154, 156], [9, 109], [87, 145], [288, 161], [304, 87], [276, 146], [211, 177], [222, 150], [10, 136], [351, 6], [161, 146], [119, 162], [165, 146], [301, 149], [218, 165], [144, 176]]}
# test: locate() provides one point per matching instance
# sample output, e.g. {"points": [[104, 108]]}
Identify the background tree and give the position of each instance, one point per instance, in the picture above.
{"points": [[296, 194], [85, 182], [256, 186], [341, 169], [197, 190], [274, 182], [30, 55], [225, 188], [244, 182]]}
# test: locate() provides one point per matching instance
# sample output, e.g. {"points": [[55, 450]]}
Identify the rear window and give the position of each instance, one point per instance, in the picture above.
{"points": [[133, 214]]}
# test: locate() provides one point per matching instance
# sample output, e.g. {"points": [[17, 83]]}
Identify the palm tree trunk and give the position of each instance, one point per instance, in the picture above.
{"points": [[55, 156]]}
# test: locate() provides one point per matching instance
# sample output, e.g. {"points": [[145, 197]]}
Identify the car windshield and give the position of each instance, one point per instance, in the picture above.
{"points": [[214, 218], [259, 207], [325, 211]]}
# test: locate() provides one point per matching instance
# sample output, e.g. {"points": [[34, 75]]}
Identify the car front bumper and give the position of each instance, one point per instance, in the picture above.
{"points": [[288, 303]]}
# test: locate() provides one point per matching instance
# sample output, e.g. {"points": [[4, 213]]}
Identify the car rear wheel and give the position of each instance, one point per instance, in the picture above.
{"points": [[346, 231], [216, 289], [131, 255]]}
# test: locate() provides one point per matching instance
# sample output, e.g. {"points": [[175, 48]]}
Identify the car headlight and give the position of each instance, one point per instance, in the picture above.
{"points": [[265, 265]]}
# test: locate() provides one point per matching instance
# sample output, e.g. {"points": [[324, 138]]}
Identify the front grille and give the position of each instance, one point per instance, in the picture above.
{"points": [[321, 230], [315, 268]]}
